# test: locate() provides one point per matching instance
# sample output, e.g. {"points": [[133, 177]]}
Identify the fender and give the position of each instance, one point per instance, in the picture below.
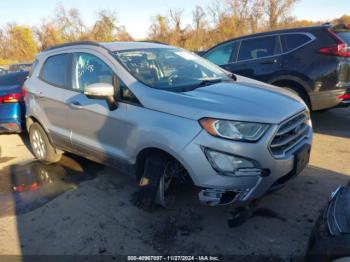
{"points": [[294, 78]]}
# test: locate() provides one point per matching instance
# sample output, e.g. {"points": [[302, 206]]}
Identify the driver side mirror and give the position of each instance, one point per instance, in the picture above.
{"points": [[102, 91]]}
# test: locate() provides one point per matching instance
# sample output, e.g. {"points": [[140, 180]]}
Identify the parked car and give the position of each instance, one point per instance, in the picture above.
{"points": [[3, 71], [161, 114], [20, 67], [12, 109], [312, 61], [330, 238]]}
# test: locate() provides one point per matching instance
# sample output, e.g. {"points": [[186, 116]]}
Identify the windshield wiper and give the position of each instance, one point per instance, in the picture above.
{"points": [[202, 83], [207, 82]]}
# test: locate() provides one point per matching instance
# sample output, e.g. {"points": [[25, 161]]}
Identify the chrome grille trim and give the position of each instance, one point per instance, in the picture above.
{"points": [[290, 133]]}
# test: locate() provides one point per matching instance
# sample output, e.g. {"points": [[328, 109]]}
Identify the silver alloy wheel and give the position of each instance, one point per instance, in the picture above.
{"points": [[38, 144]]}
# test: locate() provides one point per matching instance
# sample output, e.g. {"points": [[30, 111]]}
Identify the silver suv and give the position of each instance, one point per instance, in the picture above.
{"points": [[165, 115]]}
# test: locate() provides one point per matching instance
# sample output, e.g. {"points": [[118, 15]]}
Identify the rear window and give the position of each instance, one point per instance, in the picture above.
{"points": [[345, 36], [293, 41], [13, 79], [258, 48], [55, 70]]}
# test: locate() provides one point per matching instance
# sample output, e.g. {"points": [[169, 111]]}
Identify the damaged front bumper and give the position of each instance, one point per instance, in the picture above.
{"points": [[247, 184]]}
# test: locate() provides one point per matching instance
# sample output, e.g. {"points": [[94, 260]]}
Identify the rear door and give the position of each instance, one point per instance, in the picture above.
{"points": [[257, 57], [51, 92]]}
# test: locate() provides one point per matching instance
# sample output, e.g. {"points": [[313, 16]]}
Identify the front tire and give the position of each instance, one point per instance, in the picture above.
{"points": [[152, 185], [42, 148]]}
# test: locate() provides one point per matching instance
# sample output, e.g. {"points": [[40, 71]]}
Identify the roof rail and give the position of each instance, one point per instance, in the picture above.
{"points": [[74, 44], [152, 41]]}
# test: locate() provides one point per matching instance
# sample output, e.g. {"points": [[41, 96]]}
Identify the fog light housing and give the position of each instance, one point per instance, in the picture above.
{"points": [[226, 163]]}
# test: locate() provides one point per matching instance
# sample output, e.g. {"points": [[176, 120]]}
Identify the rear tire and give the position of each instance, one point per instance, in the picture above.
{"points": [[42, 148]]}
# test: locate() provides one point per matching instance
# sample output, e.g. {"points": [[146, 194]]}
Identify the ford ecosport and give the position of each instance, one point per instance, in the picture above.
{"points": [[162, 114]]}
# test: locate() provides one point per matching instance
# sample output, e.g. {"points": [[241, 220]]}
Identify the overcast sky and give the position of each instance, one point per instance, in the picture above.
{"points": [[136, 14]]}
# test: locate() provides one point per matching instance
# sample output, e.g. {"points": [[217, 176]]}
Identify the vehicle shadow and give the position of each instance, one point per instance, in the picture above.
{"points": [[335, 122]]}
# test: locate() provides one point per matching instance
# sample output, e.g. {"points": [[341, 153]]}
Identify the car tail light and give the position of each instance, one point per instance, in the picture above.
{"points": [[12, 98], [340, 49], [344, 97]]}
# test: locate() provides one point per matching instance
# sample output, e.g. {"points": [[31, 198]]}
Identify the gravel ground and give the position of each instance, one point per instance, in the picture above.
{"points": [[81, 208]]}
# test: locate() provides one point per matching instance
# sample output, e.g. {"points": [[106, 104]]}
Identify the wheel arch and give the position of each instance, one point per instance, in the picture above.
{"points": [[294, 82], [142, 155], [31, 120]]}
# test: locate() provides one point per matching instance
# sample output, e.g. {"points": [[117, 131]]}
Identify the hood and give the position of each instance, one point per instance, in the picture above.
{"points": [[242, 101], [6, 90]]}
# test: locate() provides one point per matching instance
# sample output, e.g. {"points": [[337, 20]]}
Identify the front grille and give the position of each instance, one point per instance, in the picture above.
{"points": [[290, 133]]}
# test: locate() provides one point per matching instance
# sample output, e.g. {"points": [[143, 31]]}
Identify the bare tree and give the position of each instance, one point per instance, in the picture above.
{"points": [[69, 23], [277, 11], [160, 29], [47, 35], [105, 28], [199, 16]]}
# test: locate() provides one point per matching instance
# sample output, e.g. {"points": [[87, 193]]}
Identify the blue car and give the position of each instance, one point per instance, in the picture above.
{"points": [[12, 108]]}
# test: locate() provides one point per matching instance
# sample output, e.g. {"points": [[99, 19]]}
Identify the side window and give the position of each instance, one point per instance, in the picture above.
{"points": [[292, 41], [90, 69], [55, 70], [259, 47], [221, 55]]}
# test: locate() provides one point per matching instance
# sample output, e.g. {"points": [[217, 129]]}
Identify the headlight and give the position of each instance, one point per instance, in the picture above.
{"points": [[235, 130]]}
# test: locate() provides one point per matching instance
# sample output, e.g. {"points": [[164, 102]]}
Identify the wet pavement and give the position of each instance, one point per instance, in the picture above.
{"points": [[26, 187]]}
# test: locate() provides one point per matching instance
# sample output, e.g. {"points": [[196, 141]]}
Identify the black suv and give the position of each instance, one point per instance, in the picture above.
{"points": [[312, 61]]}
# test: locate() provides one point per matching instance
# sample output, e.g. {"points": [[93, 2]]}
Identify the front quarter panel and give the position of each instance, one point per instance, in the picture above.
{"points": [[154, 129]]}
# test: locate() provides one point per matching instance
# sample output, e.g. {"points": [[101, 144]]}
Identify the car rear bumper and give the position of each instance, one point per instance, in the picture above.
{"points": [[10, 127], [326, 99], [346, 102], [11, 118]]}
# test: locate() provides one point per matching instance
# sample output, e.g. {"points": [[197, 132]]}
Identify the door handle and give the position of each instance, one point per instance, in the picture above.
{"points": [[269, 62], [75, 105], [38, 94]]}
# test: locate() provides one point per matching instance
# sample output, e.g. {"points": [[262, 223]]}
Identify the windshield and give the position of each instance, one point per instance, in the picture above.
{"points": [[170, 68]]}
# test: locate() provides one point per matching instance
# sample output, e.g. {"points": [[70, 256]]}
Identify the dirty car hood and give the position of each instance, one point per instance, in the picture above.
{"points": [[242, 101]]}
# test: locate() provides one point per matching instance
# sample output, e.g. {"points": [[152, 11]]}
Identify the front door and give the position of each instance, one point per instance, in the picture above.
{"points": [[97, 132]]}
